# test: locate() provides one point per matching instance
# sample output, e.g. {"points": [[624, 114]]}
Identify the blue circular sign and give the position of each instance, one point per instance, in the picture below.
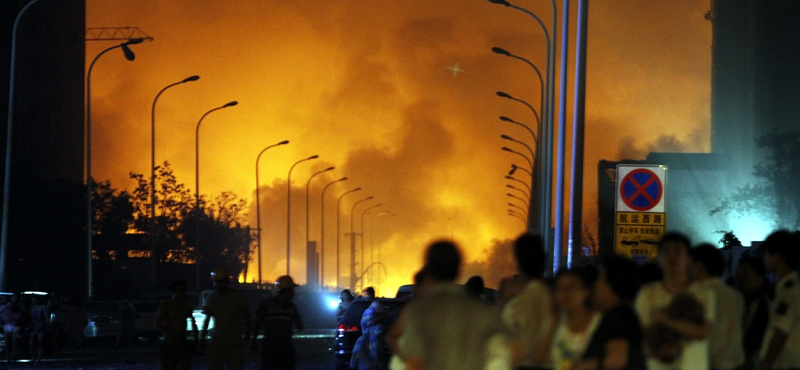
{"points": [[641, 189]]}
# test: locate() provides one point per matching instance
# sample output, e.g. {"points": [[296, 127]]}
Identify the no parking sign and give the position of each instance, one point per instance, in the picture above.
{"points": [[640, 210]]}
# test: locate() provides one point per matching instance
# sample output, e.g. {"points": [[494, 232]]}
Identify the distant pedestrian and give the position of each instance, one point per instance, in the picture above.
{"points": [[39, 319], [171, 319], [126, 336], [445, 328], [11, 313], [781, 347], [751, 280], [278, 316], [345, 298], [528, 314], [368, 293], [231, 314], [725, 338]]}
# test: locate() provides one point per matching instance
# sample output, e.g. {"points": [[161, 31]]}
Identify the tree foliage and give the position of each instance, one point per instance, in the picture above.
{"points": [[774, 196]]}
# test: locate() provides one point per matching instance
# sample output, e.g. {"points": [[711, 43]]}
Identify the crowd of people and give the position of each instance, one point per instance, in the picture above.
{"points": [[682, 315]]}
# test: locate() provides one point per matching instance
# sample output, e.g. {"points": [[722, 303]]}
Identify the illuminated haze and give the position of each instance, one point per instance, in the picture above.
{"points": [[365, 85]]}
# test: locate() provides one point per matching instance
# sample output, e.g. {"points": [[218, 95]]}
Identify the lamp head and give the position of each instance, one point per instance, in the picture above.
{"points": [[377, 205], [283, 142], [128, 52], [510, 186], [503, 95], [328, 169], [190, 79], [513, 169], [356, 189], [342, 179], [313, 157], [506, 119], [506, 137], [231, 104], [501, 2], [509, 177], [500, 51], [507, 149], [368, 198]]}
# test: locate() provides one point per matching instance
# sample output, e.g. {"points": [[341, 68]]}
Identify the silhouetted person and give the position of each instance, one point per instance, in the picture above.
{"points": [[39, 319], [781, 347], [176, 350], [127, 324], [231, 313], [278, 316], [368, 293], [751, 280], [474, 287], [527, 315], [11, 313], [725, 338], [345, 297]]}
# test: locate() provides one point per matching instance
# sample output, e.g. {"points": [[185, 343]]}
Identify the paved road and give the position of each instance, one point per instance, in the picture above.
{"points": [[314, 352]]}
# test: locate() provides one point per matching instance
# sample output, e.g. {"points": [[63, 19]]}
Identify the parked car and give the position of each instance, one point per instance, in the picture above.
{"points": [[349, 328], [103, 319]]}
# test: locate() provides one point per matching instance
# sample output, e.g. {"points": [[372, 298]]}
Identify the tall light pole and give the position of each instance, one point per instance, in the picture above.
{"points": [[7, 169], [372, 228], [197, 190], [258, 205], [502, 51], [130, 57], [338, 233], [308, 184], [197, 149], [578, 116], [153, 257], [509, 120], [289, 211], [322, 231], [353, 243], [364, 212], [507, 149]]}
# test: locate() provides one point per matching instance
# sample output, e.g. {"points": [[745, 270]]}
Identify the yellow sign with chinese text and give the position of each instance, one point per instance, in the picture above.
{"points": [[637, 234]]}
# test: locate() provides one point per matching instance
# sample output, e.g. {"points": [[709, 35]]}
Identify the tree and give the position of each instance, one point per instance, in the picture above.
{"points": [[112, 209], [774, 196]]}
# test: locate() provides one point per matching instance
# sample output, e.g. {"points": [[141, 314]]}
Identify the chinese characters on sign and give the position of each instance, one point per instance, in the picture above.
{"points": [[640, 218]]}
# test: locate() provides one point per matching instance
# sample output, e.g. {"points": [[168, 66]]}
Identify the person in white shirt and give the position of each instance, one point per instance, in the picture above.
{"points": [[528, 314], [673, 257], [781, 346], [726, 350]]}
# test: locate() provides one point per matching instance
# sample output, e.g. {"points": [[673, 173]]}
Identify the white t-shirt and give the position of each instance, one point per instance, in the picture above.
{"points": [[784, 314], [527, 316], [568, 347], [651, 299], [726, 349]]}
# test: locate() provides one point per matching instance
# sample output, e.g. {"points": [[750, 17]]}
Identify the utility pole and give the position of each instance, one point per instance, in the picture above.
{"points": [[353, 278]]}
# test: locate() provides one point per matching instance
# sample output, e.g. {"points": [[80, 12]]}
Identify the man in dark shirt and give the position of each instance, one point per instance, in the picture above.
{"points": [[278, 316], [617, 342]]}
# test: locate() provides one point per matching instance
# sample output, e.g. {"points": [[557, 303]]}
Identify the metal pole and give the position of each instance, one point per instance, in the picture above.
{"points": [[353, 244], [562, 136], [308, 184], [338, 233], [9, 132], [362, 241], [322, 232], [258, 206], [579, 120], [289, 212]]}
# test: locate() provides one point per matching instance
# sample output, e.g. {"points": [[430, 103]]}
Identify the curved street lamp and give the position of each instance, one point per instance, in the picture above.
{"points": [[505, 52], [509, 120], [362, 239], [372, 228], [322, 231], [308, 184], [338, 233], [507, 149], [289, 211], [128, 53], [197, 148], [512, 178], [353, 243], [509, 138], [517, 198], [527, 198], [258, 205], [523, 210], [153, 257], [514, 168]]}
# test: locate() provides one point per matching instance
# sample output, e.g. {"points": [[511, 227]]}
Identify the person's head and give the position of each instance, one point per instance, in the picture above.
{"points": [[178, 289], [707, 261], [617, 282], [285, 285], [220, 277], [529, 255], [474, 286], [442, 261], [572, 290], [751, 274], [781, 251], [368, 292], [673, 254], [346, 296]]}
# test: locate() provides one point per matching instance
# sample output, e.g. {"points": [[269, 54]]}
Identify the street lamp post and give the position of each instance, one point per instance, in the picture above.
{"points": [[525, 194], [338, 233], [507, 149], [514, 168], [153, 257], [509, 120], [7, 169], [509, 138], [362, 240], [372, 228], [524, 211], [353, 243], [130, 57], [258, 205], [322, 232], [512, 178], [289, 212], [308, 184]]}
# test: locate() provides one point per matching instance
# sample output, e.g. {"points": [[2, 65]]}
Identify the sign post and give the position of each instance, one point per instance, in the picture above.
{"points": [[640, 218]]}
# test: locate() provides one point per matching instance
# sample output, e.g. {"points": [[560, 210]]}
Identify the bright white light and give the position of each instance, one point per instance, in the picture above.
{"points": [[333, 304], [749, 228]]}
